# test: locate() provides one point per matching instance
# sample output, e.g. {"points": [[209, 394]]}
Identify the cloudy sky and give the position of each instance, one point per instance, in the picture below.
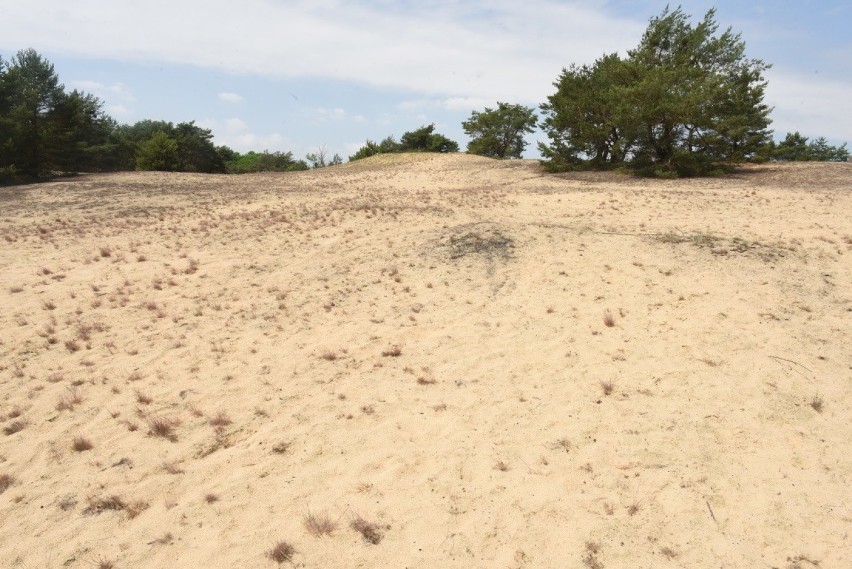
{"points": [[296, 74]]}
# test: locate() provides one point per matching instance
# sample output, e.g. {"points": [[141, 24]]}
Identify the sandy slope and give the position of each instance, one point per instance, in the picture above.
{"points": [[421, 341]]}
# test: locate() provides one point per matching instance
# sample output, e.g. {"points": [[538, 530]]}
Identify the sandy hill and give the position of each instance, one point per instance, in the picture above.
{"points": [[427, 361]]}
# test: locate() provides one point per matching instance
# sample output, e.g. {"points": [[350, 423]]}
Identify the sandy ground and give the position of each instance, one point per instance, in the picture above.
{"points": [[427, 361]]}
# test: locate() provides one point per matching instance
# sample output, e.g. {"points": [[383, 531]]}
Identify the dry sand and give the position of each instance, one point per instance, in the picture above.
{"points": [[488, 366]]}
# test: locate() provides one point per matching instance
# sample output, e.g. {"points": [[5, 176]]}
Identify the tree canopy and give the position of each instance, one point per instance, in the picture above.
{"points": [[685, 101], [423, 139], [499, 133], [796, 147]]}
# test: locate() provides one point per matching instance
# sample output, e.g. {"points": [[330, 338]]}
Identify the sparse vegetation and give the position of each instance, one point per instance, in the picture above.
{"points": [[817, 403], [6, 481], [392, 352], [282, 552], [319, 525], [162, 427], [371, 532], [81, 444], [14, 427]]}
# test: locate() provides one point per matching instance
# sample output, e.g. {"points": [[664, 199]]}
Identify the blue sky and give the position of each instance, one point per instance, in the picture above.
{"points": [[293, 75]]}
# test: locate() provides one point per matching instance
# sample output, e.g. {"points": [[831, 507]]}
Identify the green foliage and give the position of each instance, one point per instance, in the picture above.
{"points": [[195, 149], [499, 133], [32, 92], [684, 102], [424, 139], [261, 162], [81, 130], [796, 147], [159, 152], [370, 148]]}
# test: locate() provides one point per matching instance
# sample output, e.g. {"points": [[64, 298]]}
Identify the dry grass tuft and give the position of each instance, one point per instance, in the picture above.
{"points": [[81, 444], [392, 352], [633, 508], [369, 531], [817, 403], [319, 525], [329, 355], [281, 552], [607, 386], [6, 481], [14, 427], [69, 401], [211, 498], [220, 420], [162, 427], [103, 504], [669, 552], [608, 319], [143, 398]]}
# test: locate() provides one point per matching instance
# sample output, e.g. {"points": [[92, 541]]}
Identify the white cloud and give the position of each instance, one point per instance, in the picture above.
{"points": [[810, 105], [114, 92], [328, 115], [236, 134], [230, 97], [119, 111], [438, 47], [117, 97]]}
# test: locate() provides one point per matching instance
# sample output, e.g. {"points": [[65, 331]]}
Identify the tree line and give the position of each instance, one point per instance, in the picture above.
{"points": [[686, 101], [45, 129]]}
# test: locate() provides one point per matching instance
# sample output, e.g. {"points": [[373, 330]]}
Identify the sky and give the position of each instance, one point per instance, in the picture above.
{"points": [[297, 75]]}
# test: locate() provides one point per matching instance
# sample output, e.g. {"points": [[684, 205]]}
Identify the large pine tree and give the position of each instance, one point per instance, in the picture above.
{"points": [[685, 101]]}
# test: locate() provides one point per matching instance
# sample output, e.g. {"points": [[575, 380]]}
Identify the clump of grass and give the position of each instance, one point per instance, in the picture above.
{"points": [[102, 504], [633, 508], [69, 401], [591, 560], [392, 352], [6, 481], [669, 552], [319, 525], [211, 498], [817, 403], [329, 355], [14, 427], [162, 427], [220, 420], [143, 398], [607, 386], [282, 552], [81, 444], [73, 345], [371, 532], [608, 319]]}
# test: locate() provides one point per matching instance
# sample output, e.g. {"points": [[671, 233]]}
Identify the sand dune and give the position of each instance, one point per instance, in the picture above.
{"points": [[427, 361]]}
